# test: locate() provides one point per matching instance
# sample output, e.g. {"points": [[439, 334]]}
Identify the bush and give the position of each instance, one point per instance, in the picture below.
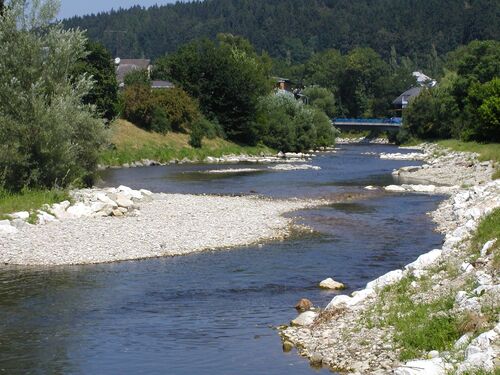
{"points": [[47, 136], [288, 125], [160, 110]]}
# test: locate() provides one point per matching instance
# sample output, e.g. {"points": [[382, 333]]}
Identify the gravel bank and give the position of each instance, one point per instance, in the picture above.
{"points": [[170, 224]]}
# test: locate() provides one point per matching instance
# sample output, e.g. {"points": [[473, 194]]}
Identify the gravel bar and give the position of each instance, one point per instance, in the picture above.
{"points": [[170, 224]]}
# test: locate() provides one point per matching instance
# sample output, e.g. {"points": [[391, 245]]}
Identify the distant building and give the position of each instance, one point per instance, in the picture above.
{"points": [[126, 66], [402, 100], [162, 85], [283, 84]]}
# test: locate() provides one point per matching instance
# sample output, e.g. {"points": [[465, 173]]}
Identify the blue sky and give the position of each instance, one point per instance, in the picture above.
{"points": [[71, 8]]}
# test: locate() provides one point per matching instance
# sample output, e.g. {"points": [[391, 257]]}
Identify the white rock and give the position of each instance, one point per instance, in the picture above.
{"points": [[467, 267], [395, 188], [44, 217], [425, 260], [7, 229], [370, 187], [129, 193], [339, 301], [23, 215], [477, 361], [305, 319], [105, 199], [331, 284], [483, 278], [360, 296], [463, 341], [435, 366], [79, 210], [5, 223], [146, 192], [388, 279], [487, 246], [123, 201], [433, 354]]}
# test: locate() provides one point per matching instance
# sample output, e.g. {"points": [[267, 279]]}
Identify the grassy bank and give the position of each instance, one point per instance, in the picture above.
{"points": [[489, 228], [130, 143], [486, 151], [29, 200]]}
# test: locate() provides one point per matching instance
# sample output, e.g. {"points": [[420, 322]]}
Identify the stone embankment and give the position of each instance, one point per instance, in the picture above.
{"points": [[353, 334], [106, 225]]}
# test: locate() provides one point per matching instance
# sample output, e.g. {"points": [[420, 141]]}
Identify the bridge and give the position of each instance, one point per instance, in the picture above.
{"points": [[381, 124]]}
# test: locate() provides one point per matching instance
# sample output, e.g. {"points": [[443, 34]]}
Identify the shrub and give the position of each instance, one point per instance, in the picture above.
{"points": [[47, 136], [288, 125], [160, 110]]}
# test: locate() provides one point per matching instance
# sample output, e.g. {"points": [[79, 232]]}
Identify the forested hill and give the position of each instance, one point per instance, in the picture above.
{"points": [[294, 29]]}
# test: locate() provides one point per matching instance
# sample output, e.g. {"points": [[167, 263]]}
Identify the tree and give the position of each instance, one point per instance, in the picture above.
{"points": [[285, 124], [99, 65], [483, 112], [137, 77], [48, 137], [322, 99], [227, 78]]}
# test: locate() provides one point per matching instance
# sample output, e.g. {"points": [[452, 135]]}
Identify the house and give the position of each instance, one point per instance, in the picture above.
{"points": [[283, 84], [162, 85], [125, 66], [402, 100]]}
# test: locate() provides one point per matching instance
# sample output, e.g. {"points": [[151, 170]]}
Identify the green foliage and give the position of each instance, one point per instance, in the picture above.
{"points": [[137, 77], [288, 125], [488, 229], [29, 200], [466, 104], [419, 327], [159, 110], [483, 110], [99, 65], [322, 99], [47, 136], [292, 30], [226, 77]]}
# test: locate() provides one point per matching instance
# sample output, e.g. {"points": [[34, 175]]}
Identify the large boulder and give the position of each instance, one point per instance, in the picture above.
{"points": [[387, 279], [425, 260]]}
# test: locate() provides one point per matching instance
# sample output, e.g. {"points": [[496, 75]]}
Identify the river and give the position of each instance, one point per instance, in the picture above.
{"points": [[214, 312]]}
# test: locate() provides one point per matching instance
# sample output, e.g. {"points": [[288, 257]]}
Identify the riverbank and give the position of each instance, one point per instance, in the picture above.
{"points": [[161, 225], [439, 314], [132, 146]]}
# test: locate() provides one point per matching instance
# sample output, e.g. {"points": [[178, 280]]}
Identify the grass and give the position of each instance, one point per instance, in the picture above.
{"points": [[419, 327], [486, 151], [488, 229], [131, 143], [29, 200]]}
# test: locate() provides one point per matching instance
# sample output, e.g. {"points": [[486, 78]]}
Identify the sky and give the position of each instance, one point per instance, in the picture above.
{"points": [[70, 8]]}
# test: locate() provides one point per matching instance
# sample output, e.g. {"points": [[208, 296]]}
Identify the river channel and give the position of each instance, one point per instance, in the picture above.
{"points": [[215, 312]]}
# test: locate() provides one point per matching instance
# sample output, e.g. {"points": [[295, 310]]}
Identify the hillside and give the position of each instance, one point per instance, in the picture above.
{"points": [[293, 29]]}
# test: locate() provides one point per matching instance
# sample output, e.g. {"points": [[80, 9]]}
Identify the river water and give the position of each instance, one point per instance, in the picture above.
{"points": [[214, 312]]}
